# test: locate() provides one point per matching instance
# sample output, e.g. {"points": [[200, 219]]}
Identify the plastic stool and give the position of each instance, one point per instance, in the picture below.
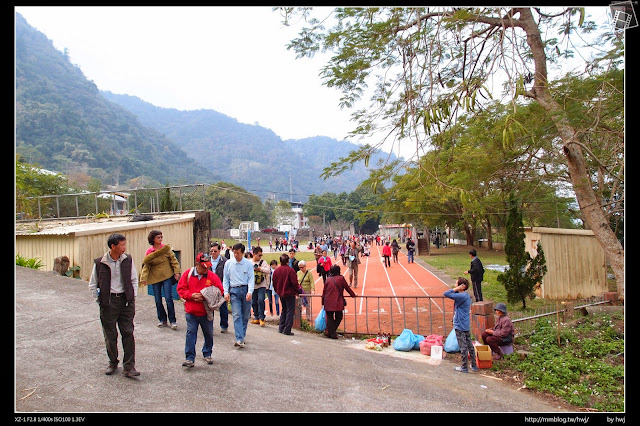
{"points": [[506, 349]]}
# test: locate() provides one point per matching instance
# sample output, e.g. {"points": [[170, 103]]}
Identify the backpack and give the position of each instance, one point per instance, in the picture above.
{"points": [[258, 276]]}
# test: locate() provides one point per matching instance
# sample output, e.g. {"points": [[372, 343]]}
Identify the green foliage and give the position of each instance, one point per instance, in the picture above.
{"points": [[166, 202], [524, 272], [359, 207], [73, 271], [33, 263], [230, 204], [584, 369]]}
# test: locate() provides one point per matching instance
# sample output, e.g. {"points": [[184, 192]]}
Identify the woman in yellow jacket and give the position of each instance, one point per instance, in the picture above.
{"points": [[305, 279], [161, 270]]}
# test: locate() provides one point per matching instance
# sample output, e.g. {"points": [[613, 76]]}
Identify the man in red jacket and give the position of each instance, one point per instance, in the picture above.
{"points": [[189, 288], [285, 283]]}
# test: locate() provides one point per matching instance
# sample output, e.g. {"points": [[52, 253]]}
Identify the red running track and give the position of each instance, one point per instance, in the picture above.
{"points": [[397, 307]]}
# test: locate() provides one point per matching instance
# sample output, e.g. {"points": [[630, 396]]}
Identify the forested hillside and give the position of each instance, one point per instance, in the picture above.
{"points": [[65, 123], [250, 155]]}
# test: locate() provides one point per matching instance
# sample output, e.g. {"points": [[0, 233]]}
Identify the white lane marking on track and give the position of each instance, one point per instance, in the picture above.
{"points": [[389, 280], [364, 283], [419, 286]]}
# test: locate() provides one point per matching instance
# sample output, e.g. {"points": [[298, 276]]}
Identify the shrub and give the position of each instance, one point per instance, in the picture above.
{"points": [[33, 263]]}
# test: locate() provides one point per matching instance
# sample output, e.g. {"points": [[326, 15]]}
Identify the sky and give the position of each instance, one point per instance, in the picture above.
{"points": [[229, 59]]}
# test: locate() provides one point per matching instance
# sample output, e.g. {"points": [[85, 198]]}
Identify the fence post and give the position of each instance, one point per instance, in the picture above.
{"points": [[297, 316], [481, 318]]}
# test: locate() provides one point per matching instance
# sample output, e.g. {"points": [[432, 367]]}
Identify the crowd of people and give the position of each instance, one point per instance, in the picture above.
{"points": [[242, 281]]}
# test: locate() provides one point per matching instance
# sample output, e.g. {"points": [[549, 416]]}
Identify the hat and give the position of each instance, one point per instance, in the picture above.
{"points": [[501, 307], [204, 258]]}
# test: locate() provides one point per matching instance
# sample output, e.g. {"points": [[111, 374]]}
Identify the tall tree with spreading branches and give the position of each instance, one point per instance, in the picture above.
{"points": [[422, 67]]}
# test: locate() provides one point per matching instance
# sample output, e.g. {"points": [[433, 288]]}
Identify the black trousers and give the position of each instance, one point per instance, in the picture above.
{"points": [[287, 313], [120, 314], [334, 318], [477, 290]]}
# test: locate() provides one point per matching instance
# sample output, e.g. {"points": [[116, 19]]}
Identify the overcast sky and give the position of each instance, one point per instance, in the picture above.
{"points": [[229, 59]]}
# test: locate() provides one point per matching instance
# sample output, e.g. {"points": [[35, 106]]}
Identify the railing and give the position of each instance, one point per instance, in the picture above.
{"points": [[168, 199], [369, 315], [425, 315], [524, 322]]}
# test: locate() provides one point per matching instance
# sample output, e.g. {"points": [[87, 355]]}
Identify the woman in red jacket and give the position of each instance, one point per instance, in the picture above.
{"points": [[324, 263], [386, 253], [333, 300]]}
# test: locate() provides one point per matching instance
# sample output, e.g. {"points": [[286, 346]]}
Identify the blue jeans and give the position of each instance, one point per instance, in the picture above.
{"points": [[257, 303], [271, 294], [410, 256], [193, 322], [158, 289], [224, 316], [240, 309]]}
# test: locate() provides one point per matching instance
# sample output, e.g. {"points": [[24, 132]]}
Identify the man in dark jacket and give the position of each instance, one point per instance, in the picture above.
{"points": [[293, 262], [285, 283], [217, 266], [477, 274], [114, 286]]}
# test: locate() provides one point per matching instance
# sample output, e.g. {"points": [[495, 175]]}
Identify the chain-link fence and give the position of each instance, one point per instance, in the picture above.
{"points": [[167, 199]]}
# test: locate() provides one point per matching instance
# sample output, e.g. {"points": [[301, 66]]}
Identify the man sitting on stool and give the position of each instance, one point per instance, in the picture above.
{"points": [[501, 334]]}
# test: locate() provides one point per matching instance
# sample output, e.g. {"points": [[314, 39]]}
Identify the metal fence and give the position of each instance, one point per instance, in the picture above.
{"points": [[370, 315], [524, 321], [426, 315], [182, 198]]}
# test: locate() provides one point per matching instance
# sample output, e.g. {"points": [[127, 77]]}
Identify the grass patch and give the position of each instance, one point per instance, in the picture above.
{"points": [[269, 255], [455, 260], [586, 369]]}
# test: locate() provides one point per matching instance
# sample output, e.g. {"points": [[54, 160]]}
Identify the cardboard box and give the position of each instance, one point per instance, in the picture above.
{"points": [[483, 356], [482, 308]]}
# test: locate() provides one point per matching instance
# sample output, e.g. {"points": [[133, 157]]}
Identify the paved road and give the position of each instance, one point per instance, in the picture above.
{"points": [[60, 362]]}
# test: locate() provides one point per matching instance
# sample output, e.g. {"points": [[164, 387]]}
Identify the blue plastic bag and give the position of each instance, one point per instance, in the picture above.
{"points": [[321, 320], [405, 341], [417, 338], [451, 344]]}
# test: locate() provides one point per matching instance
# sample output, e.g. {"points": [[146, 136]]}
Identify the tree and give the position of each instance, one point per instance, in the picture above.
{"points": [[524, 272], [429, 64], [32, 181], [230, 204]]}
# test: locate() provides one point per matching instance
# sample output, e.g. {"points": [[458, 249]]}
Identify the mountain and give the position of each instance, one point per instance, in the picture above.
{"points": [[64, 122], [247, 155]]}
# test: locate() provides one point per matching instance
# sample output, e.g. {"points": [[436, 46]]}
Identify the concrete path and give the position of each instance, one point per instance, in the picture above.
{"points": [[60, 361]]}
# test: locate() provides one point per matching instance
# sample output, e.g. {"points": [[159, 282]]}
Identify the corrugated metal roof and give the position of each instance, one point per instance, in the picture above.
{"points": [[94, 226]]}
